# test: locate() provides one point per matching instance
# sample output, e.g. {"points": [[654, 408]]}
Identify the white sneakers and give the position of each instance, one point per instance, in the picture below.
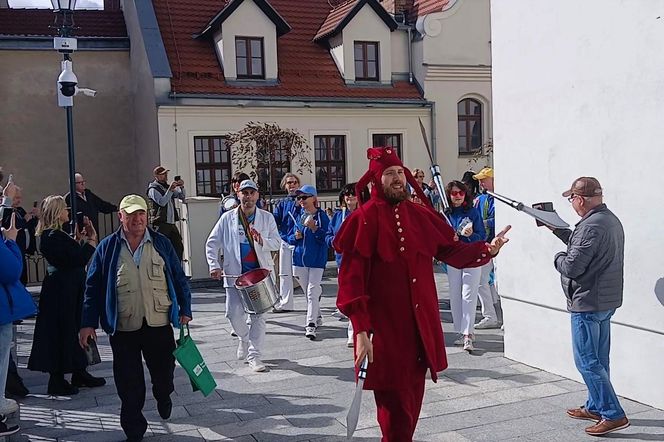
{"points": [[8, 406], [459, 340], [487, 323], [310, 331], [319, 321], [256, 365], [468, 344], [242, 350]]}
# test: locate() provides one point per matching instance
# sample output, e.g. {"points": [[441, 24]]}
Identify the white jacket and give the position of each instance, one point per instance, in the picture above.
{"points": [[224, 239]]}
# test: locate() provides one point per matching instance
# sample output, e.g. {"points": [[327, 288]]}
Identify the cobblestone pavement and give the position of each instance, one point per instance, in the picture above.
{"points": [[306, 392]]}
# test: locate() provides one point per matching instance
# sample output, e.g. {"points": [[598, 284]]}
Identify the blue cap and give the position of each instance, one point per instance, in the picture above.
{"points": [[307, 189], [248, 184]]}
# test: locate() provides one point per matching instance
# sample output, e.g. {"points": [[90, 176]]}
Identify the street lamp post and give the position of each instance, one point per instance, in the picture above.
{"points": [[67, 87]]}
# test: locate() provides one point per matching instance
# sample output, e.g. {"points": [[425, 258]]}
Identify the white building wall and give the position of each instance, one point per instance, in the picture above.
{"points": [[578, 90]]}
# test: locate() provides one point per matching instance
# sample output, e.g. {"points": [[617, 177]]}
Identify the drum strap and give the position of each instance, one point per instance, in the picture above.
{"points": [[247, 231]]}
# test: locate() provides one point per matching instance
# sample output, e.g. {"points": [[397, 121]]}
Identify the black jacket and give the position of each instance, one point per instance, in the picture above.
{"points": [[591, 271], [91, 206]]}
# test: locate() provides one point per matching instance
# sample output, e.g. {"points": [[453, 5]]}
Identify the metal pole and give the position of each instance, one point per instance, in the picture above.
{"points": [[72, 169]]}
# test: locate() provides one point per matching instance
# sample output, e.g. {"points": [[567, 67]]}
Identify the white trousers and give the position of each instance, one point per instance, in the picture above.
{"points": [[285, 277], [310, 278], [486, 295], [252, 331], [464, 284]]}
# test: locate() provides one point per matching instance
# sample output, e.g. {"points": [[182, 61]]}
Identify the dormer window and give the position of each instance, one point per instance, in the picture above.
{"points": [[249, 58], [366, 61]]}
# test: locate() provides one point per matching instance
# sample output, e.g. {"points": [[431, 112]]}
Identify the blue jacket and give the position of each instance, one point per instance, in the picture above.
{"points": [[337, 219], [15, 302], [311, 249], [281, 215], [484, 204], [100, 301], [459, 215]]}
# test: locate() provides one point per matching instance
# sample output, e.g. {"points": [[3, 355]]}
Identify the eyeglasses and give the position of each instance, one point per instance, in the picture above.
{"points": [[571, 197], [457, 193], [303, 197]]}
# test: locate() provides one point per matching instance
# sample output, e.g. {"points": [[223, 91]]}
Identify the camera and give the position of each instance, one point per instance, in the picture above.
{"points": [[67, 80]]}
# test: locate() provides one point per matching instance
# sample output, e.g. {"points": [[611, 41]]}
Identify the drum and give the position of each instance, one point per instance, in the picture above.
{"points": [[229, 203], [257, 291]]}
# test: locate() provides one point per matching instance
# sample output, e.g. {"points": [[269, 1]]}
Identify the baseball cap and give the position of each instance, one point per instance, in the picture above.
{"points": [[584, 186], [159, 170], [248, 184], [132, 203], [487, 172], [307, 189]]}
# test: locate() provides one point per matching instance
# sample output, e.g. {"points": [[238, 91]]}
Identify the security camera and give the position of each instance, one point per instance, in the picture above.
{"points": [[85, 91], [67, 79]]}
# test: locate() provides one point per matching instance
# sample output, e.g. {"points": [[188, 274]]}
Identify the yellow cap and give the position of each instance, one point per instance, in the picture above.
{"points": [[487, 172], [132, 203]]}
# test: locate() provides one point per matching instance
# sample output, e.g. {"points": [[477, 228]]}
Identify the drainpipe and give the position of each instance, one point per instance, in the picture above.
{"points": [[432, 111], [410, 56]]}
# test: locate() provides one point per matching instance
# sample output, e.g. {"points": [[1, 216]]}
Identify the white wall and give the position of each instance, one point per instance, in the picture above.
{"points": [[367, 26], [578, 90], [248, 21]]}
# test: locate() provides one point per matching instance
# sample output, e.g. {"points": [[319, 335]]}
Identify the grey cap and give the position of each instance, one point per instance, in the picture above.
{"points": [[248, 184]]}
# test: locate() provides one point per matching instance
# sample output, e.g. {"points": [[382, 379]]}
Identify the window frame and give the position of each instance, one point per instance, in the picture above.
{"points": [[365, 44], [216, 189], [398, 148], [468, 119], [249, 58], [276, 166], [328, 163]]}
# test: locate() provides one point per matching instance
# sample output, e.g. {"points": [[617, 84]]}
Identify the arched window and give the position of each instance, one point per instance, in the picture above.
{"points": [[469, 113]]}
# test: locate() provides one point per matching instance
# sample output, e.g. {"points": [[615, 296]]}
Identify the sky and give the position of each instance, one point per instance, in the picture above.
{"points": [[80, 4]]}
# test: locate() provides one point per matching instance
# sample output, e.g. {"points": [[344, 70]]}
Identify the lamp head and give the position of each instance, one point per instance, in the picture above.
{"points": [[63, 5]]}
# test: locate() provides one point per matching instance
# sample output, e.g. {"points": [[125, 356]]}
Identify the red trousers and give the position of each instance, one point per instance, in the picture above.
{"points": [[398, 411]]}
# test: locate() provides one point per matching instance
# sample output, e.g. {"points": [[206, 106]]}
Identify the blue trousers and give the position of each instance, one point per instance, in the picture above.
{"points": [[591, 341]]}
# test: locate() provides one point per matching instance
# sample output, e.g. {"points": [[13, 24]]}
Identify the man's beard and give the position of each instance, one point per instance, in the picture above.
{"points": [[394, 196]]}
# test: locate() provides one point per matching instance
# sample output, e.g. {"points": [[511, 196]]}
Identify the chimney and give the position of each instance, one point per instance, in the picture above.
{"points": [[110, 5], [400, 9]]}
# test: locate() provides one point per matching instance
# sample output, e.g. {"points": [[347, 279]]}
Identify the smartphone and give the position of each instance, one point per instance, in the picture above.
{"points": [[79, 219], [545, 206], [35, 204], [177, 178]]}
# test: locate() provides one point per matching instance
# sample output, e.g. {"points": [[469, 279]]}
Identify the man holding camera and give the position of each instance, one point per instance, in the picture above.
{"points": [[161, 202], [88, 203]]}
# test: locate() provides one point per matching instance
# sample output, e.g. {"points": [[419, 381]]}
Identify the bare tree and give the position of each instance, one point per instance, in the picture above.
{"points": [[258, 146], [482, 158]]}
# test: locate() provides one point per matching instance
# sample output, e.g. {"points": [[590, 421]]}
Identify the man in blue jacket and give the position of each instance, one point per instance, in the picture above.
{"points": [[137, 289], [591, 274]]}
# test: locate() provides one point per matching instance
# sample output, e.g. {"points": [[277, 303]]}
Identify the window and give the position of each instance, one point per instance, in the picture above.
{"points": [[388, 140], [330, 156], [280, 166], [366, 61], [213, 165], [470, 126], [249, 57]]}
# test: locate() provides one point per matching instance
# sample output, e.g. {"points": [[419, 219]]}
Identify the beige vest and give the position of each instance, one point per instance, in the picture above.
{"points": [[142, 291]]}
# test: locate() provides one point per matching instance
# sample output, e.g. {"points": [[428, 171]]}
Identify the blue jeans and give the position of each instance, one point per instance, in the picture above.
{"points": [[591, 341]]}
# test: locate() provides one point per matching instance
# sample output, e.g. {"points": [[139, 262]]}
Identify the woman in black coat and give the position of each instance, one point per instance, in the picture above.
{"points": [[55, 347]]}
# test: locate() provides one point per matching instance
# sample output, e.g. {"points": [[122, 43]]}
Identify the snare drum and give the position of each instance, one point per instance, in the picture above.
{"points": [[257, 291]]}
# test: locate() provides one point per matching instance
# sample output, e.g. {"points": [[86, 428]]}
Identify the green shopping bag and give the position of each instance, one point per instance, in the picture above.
{"points": [[190, 359]]}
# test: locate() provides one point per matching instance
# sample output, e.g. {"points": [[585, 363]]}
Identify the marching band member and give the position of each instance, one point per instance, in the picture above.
{"points": [[310, 256], [245, 236], [282, 213], [387, 289]]}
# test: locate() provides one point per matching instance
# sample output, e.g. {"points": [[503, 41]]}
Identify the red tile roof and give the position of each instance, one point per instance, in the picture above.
{"points": [[422, 7], [306, 69], [342, 14], [335, 18], [36, 22]]}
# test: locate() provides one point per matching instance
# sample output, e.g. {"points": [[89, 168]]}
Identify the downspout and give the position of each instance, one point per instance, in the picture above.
{"points": [[432, 111], [410, 55]]}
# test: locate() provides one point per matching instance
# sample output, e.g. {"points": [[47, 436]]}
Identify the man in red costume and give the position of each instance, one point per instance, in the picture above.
{"points": [[387, 289]]}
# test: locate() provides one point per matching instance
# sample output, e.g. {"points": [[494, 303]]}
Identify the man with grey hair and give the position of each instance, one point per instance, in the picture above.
{"points": [[283, 211], [591, 273], [88, 203], [136, 288]]}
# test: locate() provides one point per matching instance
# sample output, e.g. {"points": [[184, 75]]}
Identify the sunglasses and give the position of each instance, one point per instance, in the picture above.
{"points": [[457, 193], [303, 197]]}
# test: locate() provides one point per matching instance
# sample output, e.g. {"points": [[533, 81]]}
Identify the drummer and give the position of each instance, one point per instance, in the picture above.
{"points": [[245, 236]]}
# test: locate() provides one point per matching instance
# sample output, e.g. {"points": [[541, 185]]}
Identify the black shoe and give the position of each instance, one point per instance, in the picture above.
{"points": [[8, 431], [164, 408], [15, 386], [84, 379], [58, 386]]}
